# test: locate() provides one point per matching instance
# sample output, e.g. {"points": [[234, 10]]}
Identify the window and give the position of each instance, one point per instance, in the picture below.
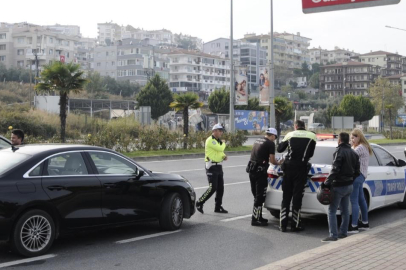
{"points": [[51, 52], [36, 171], [107, 163], [20, 52], [372, 160], [51, 40], [3, 36], [66, 164], [107, 53], [98, 64], [113, 63], [20, 64], [385, 158], [3, 47], [20, 40], [2, 58]]}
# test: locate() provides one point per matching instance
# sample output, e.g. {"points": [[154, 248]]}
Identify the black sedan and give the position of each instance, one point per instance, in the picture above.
{"points": [[49, 190]]}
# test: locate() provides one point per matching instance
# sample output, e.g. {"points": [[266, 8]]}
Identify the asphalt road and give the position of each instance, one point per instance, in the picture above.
{"points": [[209, 241]]}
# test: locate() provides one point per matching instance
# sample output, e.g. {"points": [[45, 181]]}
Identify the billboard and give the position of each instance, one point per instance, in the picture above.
{"points": [[263, 86], [251, 120], [240, 87], [401, 120], [315, 6]]}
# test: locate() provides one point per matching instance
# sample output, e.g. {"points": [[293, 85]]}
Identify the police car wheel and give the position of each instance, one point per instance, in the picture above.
{"points": [[402, 205], [171, 217], [275, 213]]}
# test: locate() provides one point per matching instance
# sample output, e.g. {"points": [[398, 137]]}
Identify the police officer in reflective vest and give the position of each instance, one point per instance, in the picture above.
{"points": [[300, 144], [263, 153], [214, 157]]}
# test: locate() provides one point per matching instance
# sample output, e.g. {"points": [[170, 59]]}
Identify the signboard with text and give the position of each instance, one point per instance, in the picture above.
{"points": [[314, 6], [251, 120]]}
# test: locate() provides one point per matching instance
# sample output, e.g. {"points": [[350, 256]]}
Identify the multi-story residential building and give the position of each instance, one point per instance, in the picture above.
{"points": [[158, 36], [246, 54], [131, 60], [24, 42], [84, 51], [347, 78], [67, 30], [391, 63], [196, 71], [322, 57], [290, 50], [108, 33]]}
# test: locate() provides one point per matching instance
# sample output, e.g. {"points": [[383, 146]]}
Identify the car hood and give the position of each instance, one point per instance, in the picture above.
{"points": [[168, 176]]}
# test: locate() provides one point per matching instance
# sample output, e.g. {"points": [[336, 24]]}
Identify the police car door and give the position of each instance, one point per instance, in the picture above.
{"points": [[375, 183], [394, 183]]}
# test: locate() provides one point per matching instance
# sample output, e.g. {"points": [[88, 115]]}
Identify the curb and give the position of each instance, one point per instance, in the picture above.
{"points": [[315, 253], [186, 156]]}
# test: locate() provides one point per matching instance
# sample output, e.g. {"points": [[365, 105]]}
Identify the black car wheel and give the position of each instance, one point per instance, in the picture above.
{"points": [[275, 213], [171, 216], [33, 233]]}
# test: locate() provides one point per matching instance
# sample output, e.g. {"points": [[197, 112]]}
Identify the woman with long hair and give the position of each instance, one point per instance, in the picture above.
{"points": [[362, 147]]}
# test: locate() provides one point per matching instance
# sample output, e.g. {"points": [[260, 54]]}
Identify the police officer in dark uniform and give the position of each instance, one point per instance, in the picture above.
{"points": [[300, 144], [263, 153]]}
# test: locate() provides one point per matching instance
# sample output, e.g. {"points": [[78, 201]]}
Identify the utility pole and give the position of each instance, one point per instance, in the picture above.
{"points": [[272, 119], [232, 99]]}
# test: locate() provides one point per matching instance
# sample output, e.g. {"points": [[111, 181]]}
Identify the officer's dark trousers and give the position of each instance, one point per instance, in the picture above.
{"points": [[293, 184], [216, 184], [259, 184]]}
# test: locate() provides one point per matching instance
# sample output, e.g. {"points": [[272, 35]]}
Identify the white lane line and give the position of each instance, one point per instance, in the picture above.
{"points": [[8, 264], [235, 218], [231, 184], [205, 169], [146, 237], [180, 160]]}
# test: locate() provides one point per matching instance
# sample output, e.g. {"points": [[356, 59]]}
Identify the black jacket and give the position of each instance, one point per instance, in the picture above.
{"points": [[300, 144], [346, 167]]}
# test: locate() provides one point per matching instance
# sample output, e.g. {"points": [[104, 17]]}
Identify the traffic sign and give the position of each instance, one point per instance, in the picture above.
{"points": [[315, 6]]}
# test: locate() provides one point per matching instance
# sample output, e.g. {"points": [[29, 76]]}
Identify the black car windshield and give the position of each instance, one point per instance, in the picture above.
{"points": [[323, 155], [9, 159]]}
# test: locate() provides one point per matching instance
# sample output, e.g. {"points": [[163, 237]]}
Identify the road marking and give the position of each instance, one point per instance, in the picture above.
{"points": [[235, 218], [8, 264], [205, 169], [146, 237], [231, 184], [183, 159]]}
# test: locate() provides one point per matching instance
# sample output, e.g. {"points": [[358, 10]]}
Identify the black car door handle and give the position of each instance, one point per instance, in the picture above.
{"points": [[109, 185], [57, 188]]}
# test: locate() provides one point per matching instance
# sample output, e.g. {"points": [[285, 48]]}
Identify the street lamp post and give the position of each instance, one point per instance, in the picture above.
{"points": [[232, 117], [272, 121]]}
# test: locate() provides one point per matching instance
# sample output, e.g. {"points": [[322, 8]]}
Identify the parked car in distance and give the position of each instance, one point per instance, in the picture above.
{"points": [[316, 126]]}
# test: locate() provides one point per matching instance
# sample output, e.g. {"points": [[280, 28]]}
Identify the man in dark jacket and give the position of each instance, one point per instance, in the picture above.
{"points": [[300, 144], [346, 168]]}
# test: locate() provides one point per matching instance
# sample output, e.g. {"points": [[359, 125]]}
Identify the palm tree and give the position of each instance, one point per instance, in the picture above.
{"points": [[64, 78], [283, 110], [184, 102]]}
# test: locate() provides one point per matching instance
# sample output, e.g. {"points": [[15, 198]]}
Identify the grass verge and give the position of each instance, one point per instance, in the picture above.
{"points": [[179, 152], [388, 141]]}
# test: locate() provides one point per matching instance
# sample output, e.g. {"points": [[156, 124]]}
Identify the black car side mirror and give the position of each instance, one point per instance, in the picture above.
{"points": [[401, 163]]}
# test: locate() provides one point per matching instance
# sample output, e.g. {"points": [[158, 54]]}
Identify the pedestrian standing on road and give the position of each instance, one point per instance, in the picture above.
{"points": [[300, 144], [345, 169], [214, 157], [263, 153], [364, 150], [17, 137]]}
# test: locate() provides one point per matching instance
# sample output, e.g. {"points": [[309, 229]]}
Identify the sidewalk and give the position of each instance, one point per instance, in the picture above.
{"points": [[382, 247]]}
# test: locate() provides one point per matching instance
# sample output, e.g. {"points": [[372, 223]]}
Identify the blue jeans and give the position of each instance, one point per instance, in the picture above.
{"points": [[342, 199], [358, 201]]}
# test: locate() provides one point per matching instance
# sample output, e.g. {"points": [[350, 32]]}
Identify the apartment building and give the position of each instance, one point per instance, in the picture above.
{"points": [[348, 78], [162, 36], [197, 72], [84, 53], [249, 55], [290, 50], [338, 55], [67, 30], [390, 63], [19, 43], [108, 33], [131, 60]]}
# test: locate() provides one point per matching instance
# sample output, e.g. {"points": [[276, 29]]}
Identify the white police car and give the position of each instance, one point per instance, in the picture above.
{"points": [[384, 185]]}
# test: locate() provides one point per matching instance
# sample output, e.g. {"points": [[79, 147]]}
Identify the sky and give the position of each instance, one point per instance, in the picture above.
{"points": [[361, 30]]}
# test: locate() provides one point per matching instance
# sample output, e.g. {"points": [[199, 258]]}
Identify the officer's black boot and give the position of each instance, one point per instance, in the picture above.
{"points": [[261, 219], [296, 225], [199, 207], [256, 214], [283, 223], [220, 209]]}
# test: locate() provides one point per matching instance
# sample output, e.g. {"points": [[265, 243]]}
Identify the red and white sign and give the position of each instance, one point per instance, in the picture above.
{"points": [[62, 58], [314, 6]]}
